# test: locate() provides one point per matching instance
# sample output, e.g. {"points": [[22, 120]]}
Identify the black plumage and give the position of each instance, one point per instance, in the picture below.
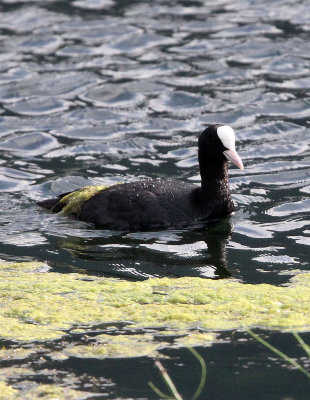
{"points": [[165, 203]]}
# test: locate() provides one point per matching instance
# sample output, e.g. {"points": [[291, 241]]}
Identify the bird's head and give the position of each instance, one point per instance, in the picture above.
{"points": [[217, 143]]}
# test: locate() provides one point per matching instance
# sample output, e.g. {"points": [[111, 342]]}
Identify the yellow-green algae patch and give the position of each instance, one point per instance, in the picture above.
{"points": [[52, 392], [167, 312], [40, 392], [73, 201], [196, 339], [24, 266], [137, 345], [7, 392], [43, 306], [15, 354], [13, 372], [131, 344]]}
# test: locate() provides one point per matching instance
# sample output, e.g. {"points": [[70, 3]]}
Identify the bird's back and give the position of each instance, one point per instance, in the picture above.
{"points": [[148, 204]]}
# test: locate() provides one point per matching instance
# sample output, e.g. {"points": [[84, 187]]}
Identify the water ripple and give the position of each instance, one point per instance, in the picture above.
{"points": [[102, 91], [30, 144], [39, 106], [115, 96]]}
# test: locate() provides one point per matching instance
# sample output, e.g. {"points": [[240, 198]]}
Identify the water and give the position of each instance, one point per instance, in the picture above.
{"points": [[101, 91]]}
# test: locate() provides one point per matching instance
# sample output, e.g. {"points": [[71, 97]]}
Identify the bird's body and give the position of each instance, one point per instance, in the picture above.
{"points": [[151, 204], [162, 203]]}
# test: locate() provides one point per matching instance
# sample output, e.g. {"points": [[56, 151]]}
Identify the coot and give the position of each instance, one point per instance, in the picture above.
{"points": [[160, 203]]}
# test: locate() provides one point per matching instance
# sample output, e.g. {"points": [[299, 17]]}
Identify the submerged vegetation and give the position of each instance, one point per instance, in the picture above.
{"points": [[174, 394], [285, 357]]}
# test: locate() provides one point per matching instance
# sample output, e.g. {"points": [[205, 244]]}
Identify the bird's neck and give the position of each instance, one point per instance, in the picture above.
{"points": [[214, 179], [214, 195]]}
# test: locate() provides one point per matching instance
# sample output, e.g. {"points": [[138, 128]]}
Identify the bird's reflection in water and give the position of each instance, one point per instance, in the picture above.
{"points": [[217, 237], [141, 255]]}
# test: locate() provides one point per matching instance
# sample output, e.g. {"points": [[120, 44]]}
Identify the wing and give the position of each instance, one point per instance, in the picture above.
{"points": [[139, 206]]}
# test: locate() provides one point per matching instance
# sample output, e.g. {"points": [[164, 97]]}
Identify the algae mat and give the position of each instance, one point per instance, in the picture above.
{"points": [[44, 306], [51, 315]]}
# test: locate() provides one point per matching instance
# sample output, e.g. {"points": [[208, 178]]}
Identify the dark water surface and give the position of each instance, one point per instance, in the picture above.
{"points": [[100, 91]]}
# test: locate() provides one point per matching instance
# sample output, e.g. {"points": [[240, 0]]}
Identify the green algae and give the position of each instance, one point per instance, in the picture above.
{"points": [[15, 354], [40, 392], [108, 346], [196, 339], [127, 319], [131, 344], [136, 345], [44, 306], [7, 392], [52, 392], [27, 389], [15, 372], [73, 201], [24, 266]]}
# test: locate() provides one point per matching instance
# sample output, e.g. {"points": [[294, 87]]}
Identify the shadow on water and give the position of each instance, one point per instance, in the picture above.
{"points": [[201, 252]]}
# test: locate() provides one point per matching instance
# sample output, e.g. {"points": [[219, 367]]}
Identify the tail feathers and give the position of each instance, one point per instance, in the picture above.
{"points": [[70, 203], [51, 204], [55, 204]]}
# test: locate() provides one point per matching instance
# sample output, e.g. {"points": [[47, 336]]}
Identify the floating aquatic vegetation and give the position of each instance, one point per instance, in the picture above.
{"points": [[45, 306], [126, 318], [137, 345], [41, 392], [134, 345], [7, 391]]}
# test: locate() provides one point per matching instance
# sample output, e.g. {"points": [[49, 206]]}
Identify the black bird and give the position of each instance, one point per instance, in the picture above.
{"points": [[161, 203]]}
